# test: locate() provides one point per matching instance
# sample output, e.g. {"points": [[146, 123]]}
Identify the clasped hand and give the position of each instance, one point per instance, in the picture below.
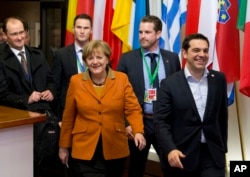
{"points": [[37, 96]]}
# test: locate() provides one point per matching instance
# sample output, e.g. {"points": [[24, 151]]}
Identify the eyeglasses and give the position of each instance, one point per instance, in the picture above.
{"points": [[17, 33]]}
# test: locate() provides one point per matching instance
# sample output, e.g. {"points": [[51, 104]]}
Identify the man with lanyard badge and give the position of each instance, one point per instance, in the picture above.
{"points": [[145, 68]]}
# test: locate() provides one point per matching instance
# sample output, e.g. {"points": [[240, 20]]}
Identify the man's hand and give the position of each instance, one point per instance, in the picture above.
{"points": [[34, 97], [174, 158], [140, 141], [129, 132], [47, 95]]}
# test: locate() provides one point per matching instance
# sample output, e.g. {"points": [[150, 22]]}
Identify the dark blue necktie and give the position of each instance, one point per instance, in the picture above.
{"points": [[153, 65]]}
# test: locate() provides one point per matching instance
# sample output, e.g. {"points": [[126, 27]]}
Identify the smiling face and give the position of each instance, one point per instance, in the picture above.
{"points": [[15, 33], [196, 55], [97, 62]]}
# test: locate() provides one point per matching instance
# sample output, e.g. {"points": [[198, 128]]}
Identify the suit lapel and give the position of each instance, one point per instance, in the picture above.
{"points": [[72, 57], [138, 64], [166, 63], [109, 83], [212, 86], [89, 87], [13, 64], [107, 87], [187, 91]]}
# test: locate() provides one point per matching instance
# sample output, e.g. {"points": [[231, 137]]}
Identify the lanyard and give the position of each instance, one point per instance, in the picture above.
{"points": [[150, 76], [79, 65]]}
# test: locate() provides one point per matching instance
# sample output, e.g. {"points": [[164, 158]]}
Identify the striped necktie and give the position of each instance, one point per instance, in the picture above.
{"points": [[24, 63]]}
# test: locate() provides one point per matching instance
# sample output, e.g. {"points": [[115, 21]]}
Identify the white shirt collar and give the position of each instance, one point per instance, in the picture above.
{"points": [[188, 74], [77, 47], [16, 52]]}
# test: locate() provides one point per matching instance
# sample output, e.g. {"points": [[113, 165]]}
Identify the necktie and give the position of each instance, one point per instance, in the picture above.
{"points": [[153, 64], [24, 63], [80, 63]]}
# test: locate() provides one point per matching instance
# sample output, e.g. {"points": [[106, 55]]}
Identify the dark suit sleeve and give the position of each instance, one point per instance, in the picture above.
{"points": [[50, 84], [177, 63], [123, 68], [57, 70], [64, 67], [223, 114]]}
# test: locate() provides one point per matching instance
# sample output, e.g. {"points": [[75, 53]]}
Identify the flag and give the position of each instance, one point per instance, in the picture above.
{"points": [[98, 19], [173, 15], [244, 25], [126, 20], [121, 22], [76, 7], [110, 37], [228, 55], [101, 12], [102, 20], [221, 20], [139, 13]]}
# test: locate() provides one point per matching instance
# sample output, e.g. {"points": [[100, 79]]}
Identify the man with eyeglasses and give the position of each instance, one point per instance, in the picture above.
{"points": [[26, 81]]}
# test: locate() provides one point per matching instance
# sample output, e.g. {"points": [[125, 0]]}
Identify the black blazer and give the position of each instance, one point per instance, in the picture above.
{"points": [[64, 67], [178, 124], [131, 63], [14, 88]]}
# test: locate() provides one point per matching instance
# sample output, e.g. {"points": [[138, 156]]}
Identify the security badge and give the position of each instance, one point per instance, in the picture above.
{"points": [[150, 95]]}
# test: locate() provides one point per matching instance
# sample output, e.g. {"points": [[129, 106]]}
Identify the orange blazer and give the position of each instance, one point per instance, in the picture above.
{"points": [[87, 116]]}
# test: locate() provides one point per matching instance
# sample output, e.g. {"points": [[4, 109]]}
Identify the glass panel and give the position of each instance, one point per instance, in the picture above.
{"points": [[53, 33]]}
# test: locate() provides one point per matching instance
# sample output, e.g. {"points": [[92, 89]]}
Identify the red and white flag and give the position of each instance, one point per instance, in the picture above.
{"points": [[217, 20]]}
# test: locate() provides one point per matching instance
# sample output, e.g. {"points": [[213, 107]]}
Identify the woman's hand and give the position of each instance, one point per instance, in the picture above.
{"points": [[64, 155], [129, 132]]}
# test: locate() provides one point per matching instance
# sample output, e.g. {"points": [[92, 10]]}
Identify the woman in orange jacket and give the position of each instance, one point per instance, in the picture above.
{"points": [[93, 123]]}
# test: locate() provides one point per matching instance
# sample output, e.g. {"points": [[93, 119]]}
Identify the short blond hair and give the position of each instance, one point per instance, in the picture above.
{"points": [[94, 46]]}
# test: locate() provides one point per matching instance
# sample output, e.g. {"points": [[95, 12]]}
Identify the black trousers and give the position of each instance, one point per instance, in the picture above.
{"points": [[98, 166], [206, 167], [138, 159]]}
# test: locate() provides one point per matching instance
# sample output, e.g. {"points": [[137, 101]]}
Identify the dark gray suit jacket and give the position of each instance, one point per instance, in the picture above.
{"points": [[131, 63], [178, 124], [64, 67]]}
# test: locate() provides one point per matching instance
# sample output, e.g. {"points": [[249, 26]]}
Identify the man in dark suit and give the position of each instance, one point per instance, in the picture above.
{"points": [[67, 62], [145, 79], [26, 81], [33, 90], [191, 119]]}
